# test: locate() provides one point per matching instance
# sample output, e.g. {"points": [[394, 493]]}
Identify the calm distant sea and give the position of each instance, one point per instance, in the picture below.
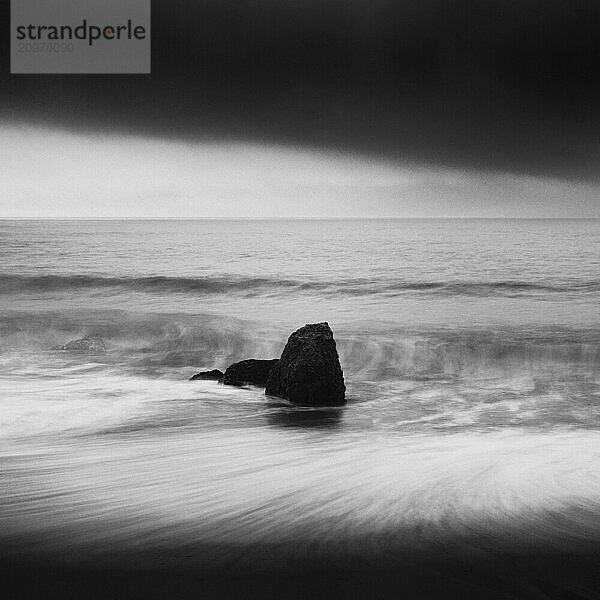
{"points": [[471, 351]]}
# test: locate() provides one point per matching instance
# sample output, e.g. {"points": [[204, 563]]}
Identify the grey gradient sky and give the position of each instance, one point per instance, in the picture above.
{"points": [[496, 102], [50, 173]]}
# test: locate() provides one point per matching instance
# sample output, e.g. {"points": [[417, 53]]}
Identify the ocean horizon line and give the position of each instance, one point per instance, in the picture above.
{"points": [[292, 218]]}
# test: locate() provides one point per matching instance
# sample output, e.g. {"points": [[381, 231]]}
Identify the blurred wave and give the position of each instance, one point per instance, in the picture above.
{"points": [[135, 489]]}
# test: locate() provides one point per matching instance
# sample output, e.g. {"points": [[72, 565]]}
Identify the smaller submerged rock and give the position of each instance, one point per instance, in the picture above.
{"points": [[214, 375], [251, 371], [91, 343]]}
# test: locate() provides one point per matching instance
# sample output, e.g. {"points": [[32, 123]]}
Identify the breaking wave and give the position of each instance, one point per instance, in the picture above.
{"points": [[13, 284], [163, 342]]}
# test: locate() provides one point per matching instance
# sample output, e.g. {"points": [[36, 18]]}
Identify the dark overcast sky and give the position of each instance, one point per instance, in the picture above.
{"points": [[503, 85]]}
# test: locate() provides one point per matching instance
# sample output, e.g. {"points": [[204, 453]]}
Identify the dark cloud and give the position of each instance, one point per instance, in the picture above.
{"points": [[494, 84]]}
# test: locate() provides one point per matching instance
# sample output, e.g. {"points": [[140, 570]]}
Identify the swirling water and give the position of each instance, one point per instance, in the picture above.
{"points": [[471, 351]]}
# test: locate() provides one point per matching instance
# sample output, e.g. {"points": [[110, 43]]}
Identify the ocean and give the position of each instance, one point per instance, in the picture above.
{"points": [[467, 456]]}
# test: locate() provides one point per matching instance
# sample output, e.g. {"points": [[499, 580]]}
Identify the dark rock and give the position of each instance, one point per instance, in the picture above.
{"points": [[92, 343], [309, 372], [215, 375], [251, 371]]}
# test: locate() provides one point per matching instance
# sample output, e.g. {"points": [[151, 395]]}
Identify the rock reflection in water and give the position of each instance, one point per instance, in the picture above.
{"points": [[306, 418]]}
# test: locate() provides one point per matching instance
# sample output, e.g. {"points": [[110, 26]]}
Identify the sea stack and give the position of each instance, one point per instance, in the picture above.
{"points": [[309, 372]]}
